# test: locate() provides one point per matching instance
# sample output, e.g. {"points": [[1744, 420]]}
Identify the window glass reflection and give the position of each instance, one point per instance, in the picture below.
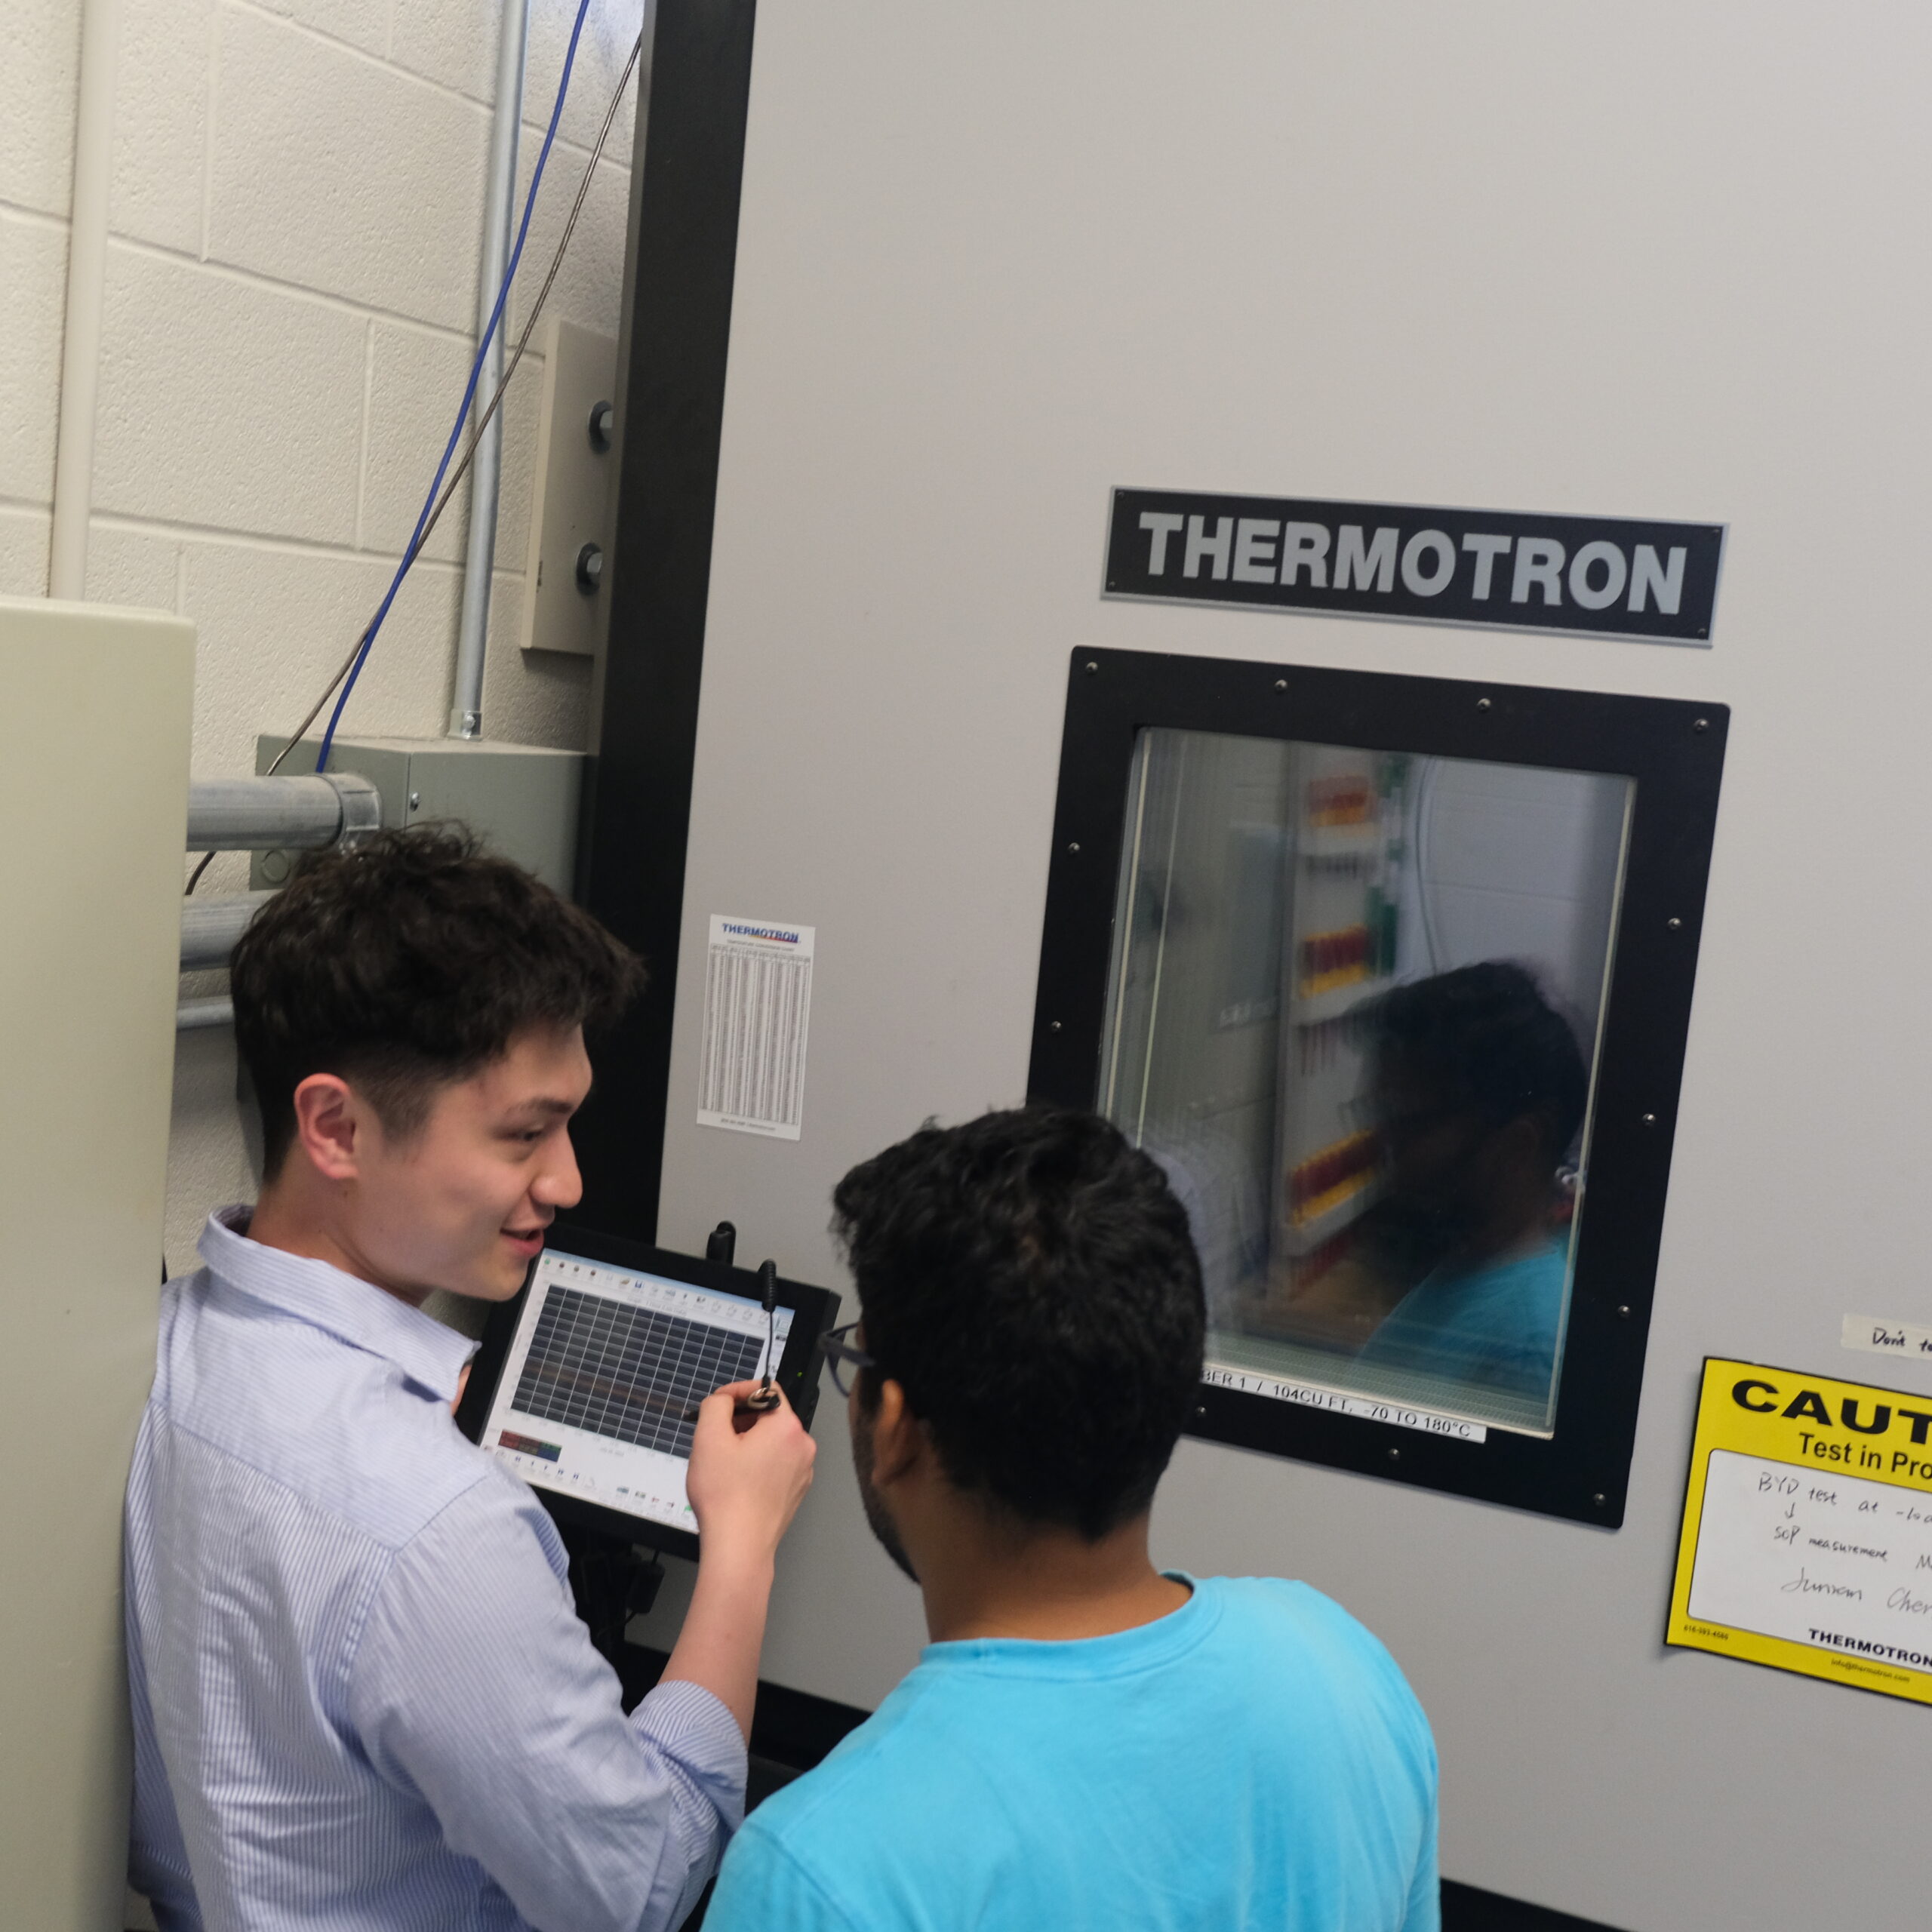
{"points": [[1353, 1012]]}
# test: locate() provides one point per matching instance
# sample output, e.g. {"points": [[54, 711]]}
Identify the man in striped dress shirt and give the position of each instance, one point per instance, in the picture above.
{"points": [[362, 1698]]}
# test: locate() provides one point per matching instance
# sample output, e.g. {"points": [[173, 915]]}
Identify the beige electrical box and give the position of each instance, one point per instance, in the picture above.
{"points": [[95, 710]]}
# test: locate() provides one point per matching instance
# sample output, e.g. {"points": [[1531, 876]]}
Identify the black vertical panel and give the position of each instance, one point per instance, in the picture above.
{"points": [[683, 254], [1468, 1908]]}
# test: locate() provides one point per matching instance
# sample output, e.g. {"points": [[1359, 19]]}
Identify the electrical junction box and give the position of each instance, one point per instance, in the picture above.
{"points": [[521, 799], [570, 498]]}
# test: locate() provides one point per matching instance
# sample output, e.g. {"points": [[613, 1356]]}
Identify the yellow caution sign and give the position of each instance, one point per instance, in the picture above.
{"points": [[1807, 1529]]}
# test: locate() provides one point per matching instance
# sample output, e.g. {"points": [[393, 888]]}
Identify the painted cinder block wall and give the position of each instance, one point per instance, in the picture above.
{"points": [[296, 229]]}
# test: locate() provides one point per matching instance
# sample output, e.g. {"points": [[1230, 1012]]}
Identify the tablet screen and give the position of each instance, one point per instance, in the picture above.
{"points": [[600, 1389]]}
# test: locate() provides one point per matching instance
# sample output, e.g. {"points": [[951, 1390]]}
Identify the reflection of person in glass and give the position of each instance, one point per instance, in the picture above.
{"points": [[1479, 1089]]}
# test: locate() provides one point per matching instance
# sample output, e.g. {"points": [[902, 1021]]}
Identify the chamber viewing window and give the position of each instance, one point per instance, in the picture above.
{"points": [[1355, 1002], [1388, 991]]}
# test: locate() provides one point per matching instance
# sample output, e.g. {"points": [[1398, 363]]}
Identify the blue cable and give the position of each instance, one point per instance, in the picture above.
{"points": [[469, 397]]}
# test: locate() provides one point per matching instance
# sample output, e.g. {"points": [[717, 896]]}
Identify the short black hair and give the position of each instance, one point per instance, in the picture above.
{"points": [[1486, 1034], [407, 962], [1029, 1279]]}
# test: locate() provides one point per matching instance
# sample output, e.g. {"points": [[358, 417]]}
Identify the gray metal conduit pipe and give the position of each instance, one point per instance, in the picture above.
{"points": [[267, 814], [210, 927], [499, 220], [192, 1014], [260, 815]]}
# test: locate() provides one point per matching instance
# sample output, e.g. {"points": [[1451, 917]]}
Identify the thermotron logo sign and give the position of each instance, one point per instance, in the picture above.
{"points": [[1609, 576], [776, 934]]}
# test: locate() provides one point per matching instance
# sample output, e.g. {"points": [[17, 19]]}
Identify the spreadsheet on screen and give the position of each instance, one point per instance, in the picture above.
{"points": [[600, 1389]]}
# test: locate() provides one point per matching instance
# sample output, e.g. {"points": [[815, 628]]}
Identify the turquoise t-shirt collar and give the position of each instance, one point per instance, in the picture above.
{"points": [[1146, 1647]]}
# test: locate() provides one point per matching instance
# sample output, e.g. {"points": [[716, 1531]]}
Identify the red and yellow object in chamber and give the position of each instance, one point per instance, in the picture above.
{"points": [[1345, 798], [1325, 1179], [1337, 958]]}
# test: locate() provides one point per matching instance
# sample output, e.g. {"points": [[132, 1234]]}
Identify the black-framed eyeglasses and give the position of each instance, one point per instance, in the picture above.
{"points": [[844, 1359]]}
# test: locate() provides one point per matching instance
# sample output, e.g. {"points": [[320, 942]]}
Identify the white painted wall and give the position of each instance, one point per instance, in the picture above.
{"points": [[296, 221]]}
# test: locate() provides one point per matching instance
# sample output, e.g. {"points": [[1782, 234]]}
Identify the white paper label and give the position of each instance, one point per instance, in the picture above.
{"points": [[758, 993], [1886, 1338], [1311, 1396], [1815, 1559]]}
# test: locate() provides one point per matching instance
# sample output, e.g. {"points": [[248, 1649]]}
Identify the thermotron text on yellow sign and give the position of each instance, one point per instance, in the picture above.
{"points": [[1807, 1529]]}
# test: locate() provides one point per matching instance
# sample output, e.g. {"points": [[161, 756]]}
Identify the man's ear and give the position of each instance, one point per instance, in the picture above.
{"points": [[899, 1438], [330, 1129]]}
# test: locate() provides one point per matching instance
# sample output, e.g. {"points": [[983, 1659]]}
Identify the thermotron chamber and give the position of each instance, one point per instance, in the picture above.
{"points": [[913, 297]]}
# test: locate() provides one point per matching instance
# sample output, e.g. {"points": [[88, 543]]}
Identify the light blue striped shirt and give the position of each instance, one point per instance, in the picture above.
{"points": [[361, 1698]]}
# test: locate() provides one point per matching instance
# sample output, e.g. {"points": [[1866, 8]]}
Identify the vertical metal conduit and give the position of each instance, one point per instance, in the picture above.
{"points": [[498, 212]]}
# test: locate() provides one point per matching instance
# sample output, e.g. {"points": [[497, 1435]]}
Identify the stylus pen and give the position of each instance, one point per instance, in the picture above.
{"points": [[767, 1396]]}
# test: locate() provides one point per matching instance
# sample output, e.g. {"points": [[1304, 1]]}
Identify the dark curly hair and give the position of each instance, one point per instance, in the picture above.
{"points": [[407, 962], [1487, 1037], [1027, 1279]]}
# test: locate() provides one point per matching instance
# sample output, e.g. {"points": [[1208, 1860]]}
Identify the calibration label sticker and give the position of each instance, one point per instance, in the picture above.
{"points": [[757, 1004], [1609, 576], [1312, 1395], [1807, 1529]]}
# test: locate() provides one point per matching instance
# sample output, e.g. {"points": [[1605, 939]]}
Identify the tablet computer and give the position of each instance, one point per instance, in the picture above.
{"points": [[588, 1383]]}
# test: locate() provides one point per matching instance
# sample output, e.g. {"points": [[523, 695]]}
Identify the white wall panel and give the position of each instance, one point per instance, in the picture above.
{"points": [[94, 758]]}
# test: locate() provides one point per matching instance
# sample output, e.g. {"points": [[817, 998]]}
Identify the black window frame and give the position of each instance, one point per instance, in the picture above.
{"points": [[1674, 750]]}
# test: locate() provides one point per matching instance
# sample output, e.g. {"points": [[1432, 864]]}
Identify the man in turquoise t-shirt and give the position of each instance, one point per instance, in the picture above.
{"points": [[1087, 1744], [1479, 1089]]}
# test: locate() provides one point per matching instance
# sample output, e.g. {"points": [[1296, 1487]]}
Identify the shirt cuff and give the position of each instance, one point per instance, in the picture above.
{"points": [[691, 1726]]}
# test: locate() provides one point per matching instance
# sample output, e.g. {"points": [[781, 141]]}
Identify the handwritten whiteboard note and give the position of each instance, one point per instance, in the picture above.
{"points": [[1807, 1535]]}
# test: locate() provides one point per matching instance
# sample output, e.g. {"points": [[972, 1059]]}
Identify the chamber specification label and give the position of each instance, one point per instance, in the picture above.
{"points": [[1312, 1395], [757, 999], [1807, 1529]]}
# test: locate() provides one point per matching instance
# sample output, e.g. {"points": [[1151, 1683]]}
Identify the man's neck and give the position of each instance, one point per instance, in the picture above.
{"points": [[283, 1221], [985, 1579]]}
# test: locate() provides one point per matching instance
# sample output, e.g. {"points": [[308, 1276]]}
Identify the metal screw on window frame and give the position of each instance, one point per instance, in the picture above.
{"points": [[603, 421], [589, 568]]}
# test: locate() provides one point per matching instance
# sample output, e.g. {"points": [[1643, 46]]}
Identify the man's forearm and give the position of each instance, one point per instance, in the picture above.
{"points": [[725, 1630]]}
